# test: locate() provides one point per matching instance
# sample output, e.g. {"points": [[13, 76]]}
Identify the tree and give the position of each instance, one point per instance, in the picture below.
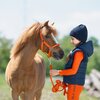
{"points": [[5, 46], [95, 41], [94, 62]]}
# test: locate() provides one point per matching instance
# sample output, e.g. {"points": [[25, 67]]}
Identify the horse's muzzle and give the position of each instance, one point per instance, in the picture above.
{"points": [[58, 55]]}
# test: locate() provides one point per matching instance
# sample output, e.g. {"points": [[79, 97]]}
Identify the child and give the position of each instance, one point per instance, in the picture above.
{"points": [[75, 69]]}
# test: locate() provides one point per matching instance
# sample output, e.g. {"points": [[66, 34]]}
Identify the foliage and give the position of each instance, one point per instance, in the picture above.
{"points": [[58, 64], [94, 62], [95, 41], [5, 45]]}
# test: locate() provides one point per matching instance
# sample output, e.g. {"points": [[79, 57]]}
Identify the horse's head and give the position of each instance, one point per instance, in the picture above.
{"points": [[48, 42], [42, 37]]}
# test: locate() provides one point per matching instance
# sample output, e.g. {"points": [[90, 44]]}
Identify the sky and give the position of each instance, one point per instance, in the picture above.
{"points": [[16, 15]]}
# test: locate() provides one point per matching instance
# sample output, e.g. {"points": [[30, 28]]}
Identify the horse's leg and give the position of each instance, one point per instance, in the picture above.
{"points": [[15, 95], [34, 98], [38, 95], [28, 96], [22, 96]]}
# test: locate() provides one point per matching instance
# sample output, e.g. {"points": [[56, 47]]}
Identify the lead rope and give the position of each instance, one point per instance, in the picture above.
{"points": [[59, 84], [50, 66]]}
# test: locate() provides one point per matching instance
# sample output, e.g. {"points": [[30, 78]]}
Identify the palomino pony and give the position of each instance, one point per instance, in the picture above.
{"points": [[25, 72]]}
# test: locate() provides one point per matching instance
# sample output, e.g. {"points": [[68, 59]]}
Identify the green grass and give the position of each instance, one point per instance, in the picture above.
{"points": [[4, 89], [46, 95]]}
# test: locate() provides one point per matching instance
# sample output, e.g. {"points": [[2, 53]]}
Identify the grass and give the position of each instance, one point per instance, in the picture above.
{"points": [[46, 95]]}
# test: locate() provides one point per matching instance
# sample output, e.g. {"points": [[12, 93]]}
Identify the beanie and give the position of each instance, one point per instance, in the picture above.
{"points": [[80, 32]]}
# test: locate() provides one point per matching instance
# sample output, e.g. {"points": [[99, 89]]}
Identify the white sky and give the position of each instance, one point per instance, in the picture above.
{"points": [[15, 15]]}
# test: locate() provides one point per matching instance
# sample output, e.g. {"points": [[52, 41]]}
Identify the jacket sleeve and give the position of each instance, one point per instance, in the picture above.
{"points": [[78, 57]]}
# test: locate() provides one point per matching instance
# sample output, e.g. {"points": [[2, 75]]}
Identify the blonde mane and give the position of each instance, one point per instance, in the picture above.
{"points": [[23, 39]]}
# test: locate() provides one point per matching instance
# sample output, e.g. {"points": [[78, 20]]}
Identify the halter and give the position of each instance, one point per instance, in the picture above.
{"points": [[45, 43], [59, 84]]}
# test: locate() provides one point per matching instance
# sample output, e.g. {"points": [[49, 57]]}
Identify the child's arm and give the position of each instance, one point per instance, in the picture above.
{"points": [[78, 57]]}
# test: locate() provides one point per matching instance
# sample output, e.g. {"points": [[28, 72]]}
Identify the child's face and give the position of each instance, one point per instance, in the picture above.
{"points": [[74, 41]]}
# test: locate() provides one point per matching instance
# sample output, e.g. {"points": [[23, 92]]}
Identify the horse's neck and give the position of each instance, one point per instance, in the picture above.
{"points": [[28, 54]]}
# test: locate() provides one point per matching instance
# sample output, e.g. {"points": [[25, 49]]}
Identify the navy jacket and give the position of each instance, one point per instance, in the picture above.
{"points": [[79, 77]]}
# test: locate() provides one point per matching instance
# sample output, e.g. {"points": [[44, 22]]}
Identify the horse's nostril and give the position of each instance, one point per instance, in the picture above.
{"points": [[55, 53], [61, 53], [58, 55]]}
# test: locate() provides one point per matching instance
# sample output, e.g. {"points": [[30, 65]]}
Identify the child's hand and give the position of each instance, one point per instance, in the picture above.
{"points": [[54, 72]]}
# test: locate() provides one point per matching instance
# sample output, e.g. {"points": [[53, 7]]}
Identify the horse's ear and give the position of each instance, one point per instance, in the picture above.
{"points": [[46, 23], [52, 24]]}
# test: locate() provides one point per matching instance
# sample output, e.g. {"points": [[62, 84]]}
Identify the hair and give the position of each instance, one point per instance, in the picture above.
{"points": [[25, 38]]}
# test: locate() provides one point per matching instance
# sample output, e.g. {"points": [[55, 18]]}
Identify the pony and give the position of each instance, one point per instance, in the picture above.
{"points": [[25, 72]]}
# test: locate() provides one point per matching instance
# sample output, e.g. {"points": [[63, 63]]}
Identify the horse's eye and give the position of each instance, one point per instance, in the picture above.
{"points": [[47, 36]]}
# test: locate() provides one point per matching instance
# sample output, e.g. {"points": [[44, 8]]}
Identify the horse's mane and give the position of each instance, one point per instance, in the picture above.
{"points": [[23, 39]]}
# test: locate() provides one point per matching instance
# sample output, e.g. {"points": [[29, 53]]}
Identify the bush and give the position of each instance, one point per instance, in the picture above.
{"points": [[5, 45]]}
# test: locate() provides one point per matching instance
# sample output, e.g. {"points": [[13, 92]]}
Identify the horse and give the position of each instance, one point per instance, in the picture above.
{"points": [[25, 72]]}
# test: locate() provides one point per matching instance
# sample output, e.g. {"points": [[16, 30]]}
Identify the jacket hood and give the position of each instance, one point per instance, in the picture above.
{"points": [[87, 47]]}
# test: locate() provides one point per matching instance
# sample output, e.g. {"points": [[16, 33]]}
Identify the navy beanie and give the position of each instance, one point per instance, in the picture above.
{"points": [[80, 32]]}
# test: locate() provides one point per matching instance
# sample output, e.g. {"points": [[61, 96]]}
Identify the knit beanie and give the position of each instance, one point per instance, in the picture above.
{"points": [[80, 32]]}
